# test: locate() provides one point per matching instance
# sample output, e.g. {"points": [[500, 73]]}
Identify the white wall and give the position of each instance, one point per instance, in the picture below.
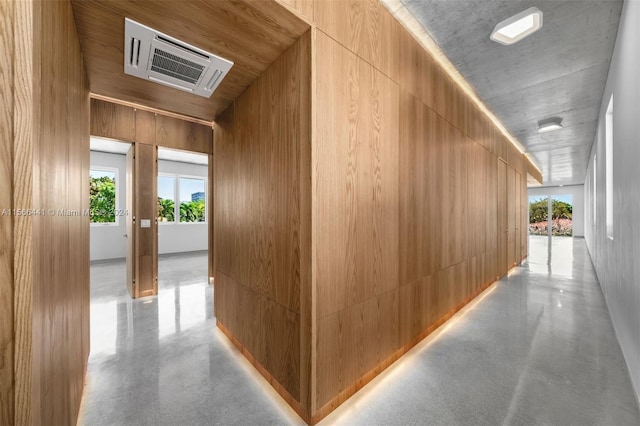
{"points": [[181, 237], [617, 260], [107, 241], [577, 193]]}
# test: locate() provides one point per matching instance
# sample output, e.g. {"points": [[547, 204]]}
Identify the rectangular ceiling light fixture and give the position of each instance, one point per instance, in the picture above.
{"points": [[517, 27], [549, 125]]}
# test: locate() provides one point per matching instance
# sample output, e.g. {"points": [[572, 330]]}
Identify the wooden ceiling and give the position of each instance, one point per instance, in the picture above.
{"points": [[252, 34]]}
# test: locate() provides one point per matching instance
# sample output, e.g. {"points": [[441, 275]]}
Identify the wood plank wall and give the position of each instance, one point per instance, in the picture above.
{"points": [[262, 223], [146, 208], [44, 167], [125, 123], [7, 16], [406, 191], [26, 114], [60, 243]]}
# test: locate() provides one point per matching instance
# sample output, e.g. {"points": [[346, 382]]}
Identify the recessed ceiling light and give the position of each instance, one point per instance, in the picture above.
{"points": [[518, 26], [549, 125]]}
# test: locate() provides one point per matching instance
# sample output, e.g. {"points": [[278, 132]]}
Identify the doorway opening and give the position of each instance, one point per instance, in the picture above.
{"points": [[184, 294], [108, 212], [550, 231], [184, 297]]}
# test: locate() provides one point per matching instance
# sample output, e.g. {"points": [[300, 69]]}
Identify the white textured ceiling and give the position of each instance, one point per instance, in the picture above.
{"points": [[108, 145], [182, 156], [559, 71], [117, 147]]}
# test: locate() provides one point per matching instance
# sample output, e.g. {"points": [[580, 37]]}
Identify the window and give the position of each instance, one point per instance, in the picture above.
{"points": [[609, 167], [190, 204], [538, 215], [562, 215], [102, 195], [192, 200], [166, 199]]}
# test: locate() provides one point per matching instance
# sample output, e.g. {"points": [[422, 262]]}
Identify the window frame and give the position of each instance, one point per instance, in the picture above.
{"points": [[177, 202], [206, 200]]}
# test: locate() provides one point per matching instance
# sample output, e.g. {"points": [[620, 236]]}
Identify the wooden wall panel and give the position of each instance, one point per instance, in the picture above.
{"points": [[517, 217], [410, 207], [7, 17], [127, 123], [261, 165], [503, 217], [491, 195], [60, 238], [145, 126], [229, 201], [453, 171], [357, 238], [511, 216], [512, 156], [366, 28], [356, 178], [420, 233], [533, 172], [146, 238], [179, 134], [26, 112], [524, 216], [416, 75], [112, 121], [303, 8], [456, 200]]}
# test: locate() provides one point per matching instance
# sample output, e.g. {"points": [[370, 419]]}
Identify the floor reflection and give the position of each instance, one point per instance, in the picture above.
{"points": [[161, 361], [539, 348], [551, 256]]}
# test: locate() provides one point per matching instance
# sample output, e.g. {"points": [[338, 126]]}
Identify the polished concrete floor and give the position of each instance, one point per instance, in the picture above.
{"points": [[161, 361], [538, 347]]}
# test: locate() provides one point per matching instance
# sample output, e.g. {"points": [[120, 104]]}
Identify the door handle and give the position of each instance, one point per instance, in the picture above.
{"points": [[125, 236]]}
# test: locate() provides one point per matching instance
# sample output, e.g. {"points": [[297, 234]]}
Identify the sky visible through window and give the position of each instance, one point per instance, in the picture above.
{"points": [[563, 198], [101, 173], [190, 186], [165, 187], [187, 187], [566, 198]]}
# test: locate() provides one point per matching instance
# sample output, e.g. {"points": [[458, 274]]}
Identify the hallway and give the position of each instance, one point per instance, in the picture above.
{"points": [[538, 347]]}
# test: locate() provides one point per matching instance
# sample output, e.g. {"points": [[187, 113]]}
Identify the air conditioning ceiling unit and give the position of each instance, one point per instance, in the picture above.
{"points": [[154, 56]]}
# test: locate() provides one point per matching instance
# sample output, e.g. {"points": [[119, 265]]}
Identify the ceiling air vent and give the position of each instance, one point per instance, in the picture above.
{"points": [[154, 56]]}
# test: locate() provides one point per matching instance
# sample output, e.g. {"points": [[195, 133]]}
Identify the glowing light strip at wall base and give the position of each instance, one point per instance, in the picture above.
{"points": [[407, 362], [402, 14]]}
